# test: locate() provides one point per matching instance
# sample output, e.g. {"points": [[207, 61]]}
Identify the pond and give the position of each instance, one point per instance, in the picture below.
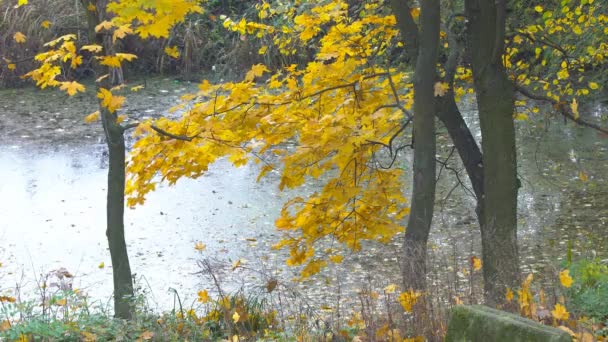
{"points": [[52, 204]]}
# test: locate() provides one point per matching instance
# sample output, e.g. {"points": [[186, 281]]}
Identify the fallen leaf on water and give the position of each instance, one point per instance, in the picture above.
{"points": [[199, 246]]}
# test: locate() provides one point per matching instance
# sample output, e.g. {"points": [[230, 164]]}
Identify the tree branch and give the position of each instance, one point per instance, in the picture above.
{"points": [[561, 107]]}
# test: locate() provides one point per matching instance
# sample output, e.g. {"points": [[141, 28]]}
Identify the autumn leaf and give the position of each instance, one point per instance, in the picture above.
{"points": [[121, 32], [476, 262], [92, 117], [172, 52], [11, 66], [203, 296], [72, 87], [408, 299], [92, 48], [60, 302], [391, 288], [7, 299], [45, 24], [583, 176], [19, 37], [441, 88], [560, 313], [21, 3], [574, 108], [236, 317], [109, 101], [137, 88], [593, 85], [237, 264], [565, 279], [91, 7], [199, 246], [101, 265], [509, 295]]}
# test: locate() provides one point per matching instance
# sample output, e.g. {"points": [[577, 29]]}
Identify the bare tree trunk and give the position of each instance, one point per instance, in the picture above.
{"points": [[115, 232], [495, 99], [423, 195]]}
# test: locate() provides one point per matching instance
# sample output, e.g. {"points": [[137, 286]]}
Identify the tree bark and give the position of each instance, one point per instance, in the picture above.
{"points": [[495, 100], [115, 205], [115, 231], [423, 195]]}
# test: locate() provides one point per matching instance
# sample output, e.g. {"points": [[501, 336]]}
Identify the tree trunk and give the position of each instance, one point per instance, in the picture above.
{"points": [[115, 205], [423, 195], [115, 231], [495, 100]]}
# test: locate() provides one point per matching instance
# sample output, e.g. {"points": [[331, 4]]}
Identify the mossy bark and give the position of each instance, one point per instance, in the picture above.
{"points": [[480, 323]]}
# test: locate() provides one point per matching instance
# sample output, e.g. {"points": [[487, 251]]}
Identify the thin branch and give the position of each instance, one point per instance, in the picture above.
{"points": [[171, 135], [561, 107]]}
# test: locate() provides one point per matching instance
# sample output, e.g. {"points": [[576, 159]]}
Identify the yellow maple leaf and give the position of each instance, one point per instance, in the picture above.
{"points": [[101, 265], [11, 66], [565, 279], [476, 262], [593, 85], [109, 101], [45, 24], [72, 87], [137, 88], [104, 25], [92, 117], [121, 32], [408, 299], [236, 317], [19, 37], [172, 52], [21, 3], [559, 312], [256, 71], [199, 246], [203, 296], [92, 48]]}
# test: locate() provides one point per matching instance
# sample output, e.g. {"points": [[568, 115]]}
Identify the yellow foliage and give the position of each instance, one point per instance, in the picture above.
{"points": [[172, 51], [203, 296], [72, 87], [476, 262], [409, 299], [560, 313], [92, 117], [199, 246], [109, 101], [19, 37], [565, 279]]}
